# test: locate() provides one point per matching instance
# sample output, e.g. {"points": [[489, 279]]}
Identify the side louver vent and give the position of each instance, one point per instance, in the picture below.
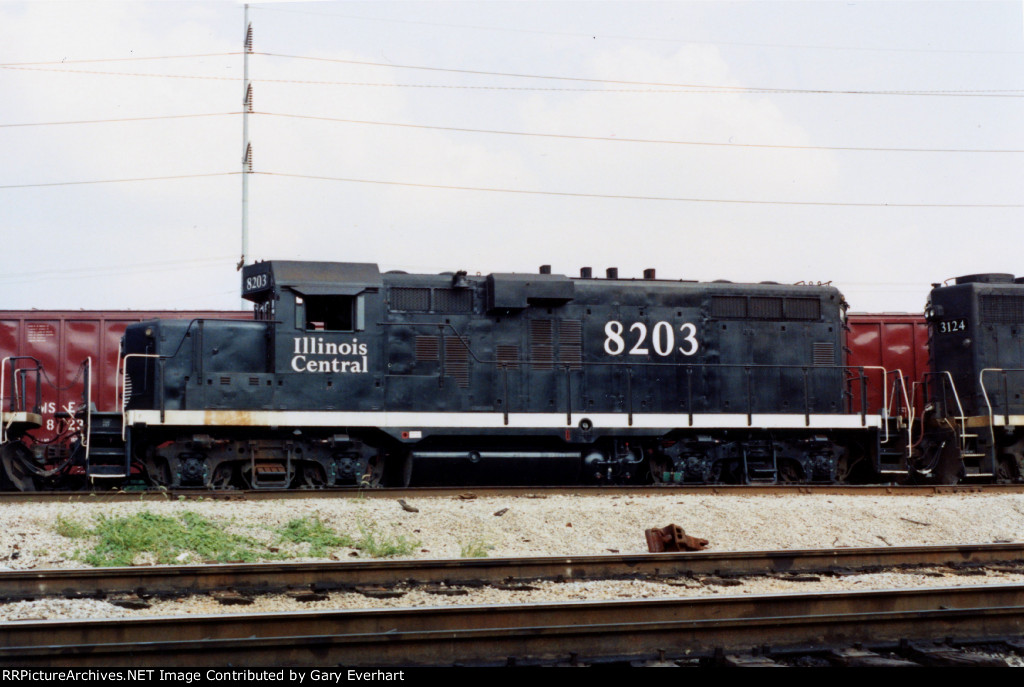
{"points": [[542, 350], [456, 360], [427, 348], [824, 354]]}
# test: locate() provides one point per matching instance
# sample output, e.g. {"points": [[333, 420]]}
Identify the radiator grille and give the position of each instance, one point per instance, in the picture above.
{"points": [[803, 308], [728, 306], [762, 308], [407, 298], [453, 300], [1002, 309]]}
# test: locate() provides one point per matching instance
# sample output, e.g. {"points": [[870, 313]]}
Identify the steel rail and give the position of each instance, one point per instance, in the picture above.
{"points": [[492, 491], [265, 578], [496, 634]]}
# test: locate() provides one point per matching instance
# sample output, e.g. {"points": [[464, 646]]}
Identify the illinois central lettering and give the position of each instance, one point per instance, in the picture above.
{"points": [[310, 355]]}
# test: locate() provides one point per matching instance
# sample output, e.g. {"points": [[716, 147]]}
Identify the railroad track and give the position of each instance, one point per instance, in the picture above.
{"points": [[266, 578], [722, 628], [660, 629], [486, 491]]}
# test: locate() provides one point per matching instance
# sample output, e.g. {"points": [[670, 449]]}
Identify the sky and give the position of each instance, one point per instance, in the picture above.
{"points": [[878, 146]]}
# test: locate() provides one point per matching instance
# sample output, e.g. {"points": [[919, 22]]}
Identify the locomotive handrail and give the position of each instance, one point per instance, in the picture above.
{"points": [[122, 375], [503, 367], [531, 361], [885, 394], [1006, 396], [88, 407], [14, 388], [910, 404], [960, 417]]}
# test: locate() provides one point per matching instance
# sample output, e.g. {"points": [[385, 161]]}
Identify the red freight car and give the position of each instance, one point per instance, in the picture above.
{"points": [[61, 341], [895, 341]]}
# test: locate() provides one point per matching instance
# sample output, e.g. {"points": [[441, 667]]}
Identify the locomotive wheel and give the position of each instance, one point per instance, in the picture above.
{"points": [[790, 472], [1007, 470], [12, 470], [659, 466], [222, 477], [374, 474], [950, 467], [157, 471], [313, 476]]}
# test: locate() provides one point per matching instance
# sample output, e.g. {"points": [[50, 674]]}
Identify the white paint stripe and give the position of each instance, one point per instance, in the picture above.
{"points": [[1000, 420], [410, 420]]}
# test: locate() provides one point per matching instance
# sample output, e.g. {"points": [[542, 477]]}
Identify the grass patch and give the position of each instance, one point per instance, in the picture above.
{"points": [[72, 529], [171, 540], [166, 538], [380, 545], [314, 532], [477, 548]]}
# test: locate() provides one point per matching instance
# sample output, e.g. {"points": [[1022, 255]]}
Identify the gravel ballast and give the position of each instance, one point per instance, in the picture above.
{"points": [[447, 527]]}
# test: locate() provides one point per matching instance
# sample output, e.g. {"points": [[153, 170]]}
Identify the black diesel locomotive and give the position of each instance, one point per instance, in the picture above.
{"points": [[349, 376], [975, 387]]}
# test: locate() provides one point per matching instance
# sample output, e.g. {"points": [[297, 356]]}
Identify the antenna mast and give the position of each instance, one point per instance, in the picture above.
{"points": [[246, 144]]}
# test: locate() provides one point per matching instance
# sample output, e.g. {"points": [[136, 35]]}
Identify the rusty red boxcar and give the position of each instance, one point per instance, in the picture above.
{"points": [[895, 341], [61, 340]]}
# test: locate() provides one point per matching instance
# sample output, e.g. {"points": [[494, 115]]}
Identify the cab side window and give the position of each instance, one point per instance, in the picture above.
{"points": [[328, 313]]}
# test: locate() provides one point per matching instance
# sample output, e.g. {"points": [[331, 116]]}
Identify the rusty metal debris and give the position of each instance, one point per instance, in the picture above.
{"points": [[672, 538]]}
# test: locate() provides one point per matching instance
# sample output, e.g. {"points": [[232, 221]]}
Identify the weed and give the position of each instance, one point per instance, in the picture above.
{"points": [[381, 545], [166, 539], [71, 529], [314, 532], [476, 548]]}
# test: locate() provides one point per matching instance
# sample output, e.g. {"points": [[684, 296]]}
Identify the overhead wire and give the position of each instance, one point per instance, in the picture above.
{"points": [[617, 196], [536, 192], [119, 181], [120, 119], [659, 84], [537, 134], [622, 139], [642, 86]]}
